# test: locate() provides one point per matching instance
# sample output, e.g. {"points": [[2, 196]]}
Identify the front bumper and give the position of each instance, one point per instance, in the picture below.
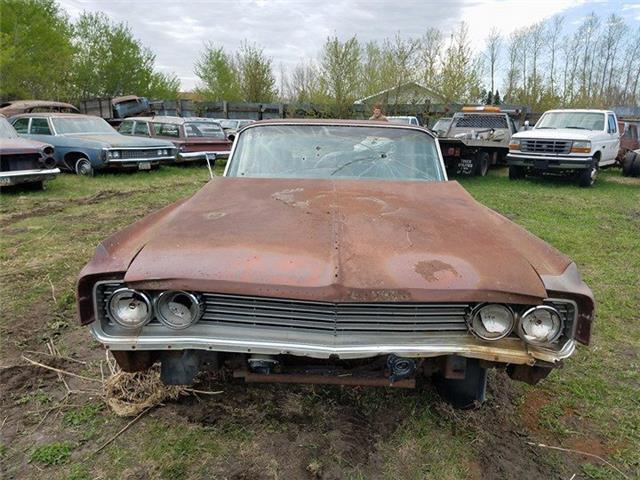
{"points": [[25, 176], [325, 345], [201, 156], [549, 162]]}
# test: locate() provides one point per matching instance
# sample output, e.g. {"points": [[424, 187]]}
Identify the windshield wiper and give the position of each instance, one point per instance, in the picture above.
{"points": [[579, 128]]}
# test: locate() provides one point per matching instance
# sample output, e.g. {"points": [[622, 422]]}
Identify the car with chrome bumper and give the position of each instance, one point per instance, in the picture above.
{"points": [[567, 142], [335, 252], [85, 144], [197, 139], [24, 161]]}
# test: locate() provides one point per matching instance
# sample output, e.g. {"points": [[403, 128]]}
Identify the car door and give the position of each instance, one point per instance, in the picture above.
{"points": [[141, 129], [126, 127], [613, 141], [22, 125]]}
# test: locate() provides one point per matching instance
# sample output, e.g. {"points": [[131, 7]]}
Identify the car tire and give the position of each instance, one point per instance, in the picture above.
{"points": [[588, 176], [634, 171], [466, 393], [83, 167], [627, 162], [516, 172], [481, 164]]}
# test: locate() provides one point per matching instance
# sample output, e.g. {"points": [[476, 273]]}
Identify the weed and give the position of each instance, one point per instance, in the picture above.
{"points": [[55, 453]]}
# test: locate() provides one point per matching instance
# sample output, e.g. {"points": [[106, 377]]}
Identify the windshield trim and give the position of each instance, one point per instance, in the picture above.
{"points": [[443, 170]]}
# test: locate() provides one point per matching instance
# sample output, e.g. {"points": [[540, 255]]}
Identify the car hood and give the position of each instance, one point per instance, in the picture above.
{"points": [[11, 146], [339, 240], [116, 140], [557, 134]]}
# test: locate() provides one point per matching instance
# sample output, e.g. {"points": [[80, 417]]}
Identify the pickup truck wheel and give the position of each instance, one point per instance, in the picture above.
{"points": [[83, 167], [627, 161], [588, 176], [481, 164], [634, 171], [467, 393], [516, 172]]}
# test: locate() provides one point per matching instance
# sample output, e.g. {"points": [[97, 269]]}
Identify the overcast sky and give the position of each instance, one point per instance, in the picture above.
{"points": [[294, 30]]}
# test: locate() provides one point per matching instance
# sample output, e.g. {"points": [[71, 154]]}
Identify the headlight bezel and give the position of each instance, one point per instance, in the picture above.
{"points": [[196, 308], [546, 343], [474, 322], [515, 144], [581, 146], [145, 299]]}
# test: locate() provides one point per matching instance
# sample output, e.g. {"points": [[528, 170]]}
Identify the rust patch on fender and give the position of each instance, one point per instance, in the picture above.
{"points": [[429, 270]]}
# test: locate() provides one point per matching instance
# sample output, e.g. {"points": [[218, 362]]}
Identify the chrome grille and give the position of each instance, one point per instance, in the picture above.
{"points": [[244, 311], [139, 154], [545, 146]]}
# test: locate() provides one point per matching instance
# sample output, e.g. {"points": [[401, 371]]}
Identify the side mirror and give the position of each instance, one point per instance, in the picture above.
{"points": [[526, 123]]}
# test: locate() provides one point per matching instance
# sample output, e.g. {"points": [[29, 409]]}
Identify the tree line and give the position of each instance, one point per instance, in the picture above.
{"points": [[45, 55]]}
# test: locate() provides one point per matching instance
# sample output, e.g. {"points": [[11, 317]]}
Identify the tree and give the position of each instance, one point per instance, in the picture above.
{"points": [[431, 47], [256, 79], [341, 71], [494, 42], [35, 50], [109, 61], [460, 80], [218, 75], [303, 84]]}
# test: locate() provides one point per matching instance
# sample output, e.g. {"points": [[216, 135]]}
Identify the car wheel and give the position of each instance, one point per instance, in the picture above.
{"points": [[516, 172], [481, 164], [83, 167], [468, 392], [634, 171], [588, 176]]}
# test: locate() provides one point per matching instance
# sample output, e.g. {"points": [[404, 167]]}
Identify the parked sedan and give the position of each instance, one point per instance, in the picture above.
{"points": [[232, 126], [195, 137], [84, 144], [335, 252], [22, 160]]}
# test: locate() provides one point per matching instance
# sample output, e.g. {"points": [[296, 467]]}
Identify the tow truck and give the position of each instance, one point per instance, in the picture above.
{"points": [[477, 138]]}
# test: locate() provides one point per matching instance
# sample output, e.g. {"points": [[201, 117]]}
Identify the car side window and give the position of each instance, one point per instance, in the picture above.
{"points": [[613, 128], [22, 125], [141, 128], [126, 128], [40, 126], [167, 130]]}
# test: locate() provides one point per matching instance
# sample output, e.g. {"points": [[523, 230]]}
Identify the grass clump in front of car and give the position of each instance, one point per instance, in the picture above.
{"points": [[55, 453]]}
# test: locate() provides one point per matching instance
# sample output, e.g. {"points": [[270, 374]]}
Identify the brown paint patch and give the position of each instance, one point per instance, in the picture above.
{"points": [[430, 270]]}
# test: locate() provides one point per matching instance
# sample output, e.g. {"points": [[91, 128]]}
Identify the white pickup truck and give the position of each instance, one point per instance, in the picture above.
{"points": [[571, 142]]}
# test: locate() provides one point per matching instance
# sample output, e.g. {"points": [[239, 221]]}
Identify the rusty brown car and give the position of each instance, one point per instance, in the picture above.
{"points": [[16, 107], [335, 252]]}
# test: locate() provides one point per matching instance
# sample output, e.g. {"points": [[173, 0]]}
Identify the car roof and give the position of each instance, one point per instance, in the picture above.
{"points": [[160, 118], [579, 110], [53, 114], [36, 103], [337, 122]]}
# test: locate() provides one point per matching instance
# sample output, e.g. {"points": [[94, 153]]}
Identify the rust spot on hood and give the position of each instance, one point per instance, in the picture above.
{"points": [[288, 198], [433, 270]]}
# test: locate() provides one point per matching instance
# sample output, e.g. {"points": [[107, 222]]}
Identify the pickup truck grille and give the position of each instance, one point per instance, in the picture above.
{"points": [[546, 146]]}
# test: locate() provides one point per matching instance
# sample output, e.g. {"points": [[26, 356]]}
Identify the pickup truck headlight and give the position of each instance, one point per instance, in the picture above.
{"points": [[540, 325], [492, 321], [583, 146], [178, 310], [514, 144], [129, 308]]}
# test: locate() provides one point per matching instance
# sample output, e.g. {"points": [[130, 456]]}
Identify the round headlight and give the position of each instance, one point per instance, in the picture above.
{"points": [[540, 325], [160, 153], [492, 321], [129, 308], [177, 309]]}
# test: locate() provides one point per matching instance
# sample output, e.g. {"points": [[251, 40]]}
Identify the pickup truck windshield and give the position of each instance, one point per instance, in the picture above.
{"points": [[577, 120], [335, 151], [88, 125]]}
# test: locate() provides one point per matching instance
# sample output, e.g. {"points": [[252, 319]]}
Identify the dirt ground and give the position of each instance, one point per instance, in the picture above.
{"points": [[54, 425]]}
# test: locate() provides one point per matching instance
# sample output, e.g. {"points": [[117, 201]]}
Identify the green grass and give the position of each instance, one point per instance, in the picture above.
{"points": [[46, 237]]}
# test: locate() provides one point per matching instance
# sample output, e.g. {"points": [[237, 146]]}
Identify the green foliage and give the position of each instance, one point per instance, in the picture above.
{"points": [[55, 453], [257, 83], [459, 81], [82, 415], [218, 76], [35, 50], [340, 71], [78, 472]]}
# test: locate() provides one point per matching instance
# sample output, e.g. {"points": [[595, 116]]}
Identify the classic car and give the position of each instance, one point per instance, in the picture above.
{"points": [[194, 137], [335, 252], [409, 120], [84, 143], [629, 137], [24, 161], [16, 107], [232, 126]]}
